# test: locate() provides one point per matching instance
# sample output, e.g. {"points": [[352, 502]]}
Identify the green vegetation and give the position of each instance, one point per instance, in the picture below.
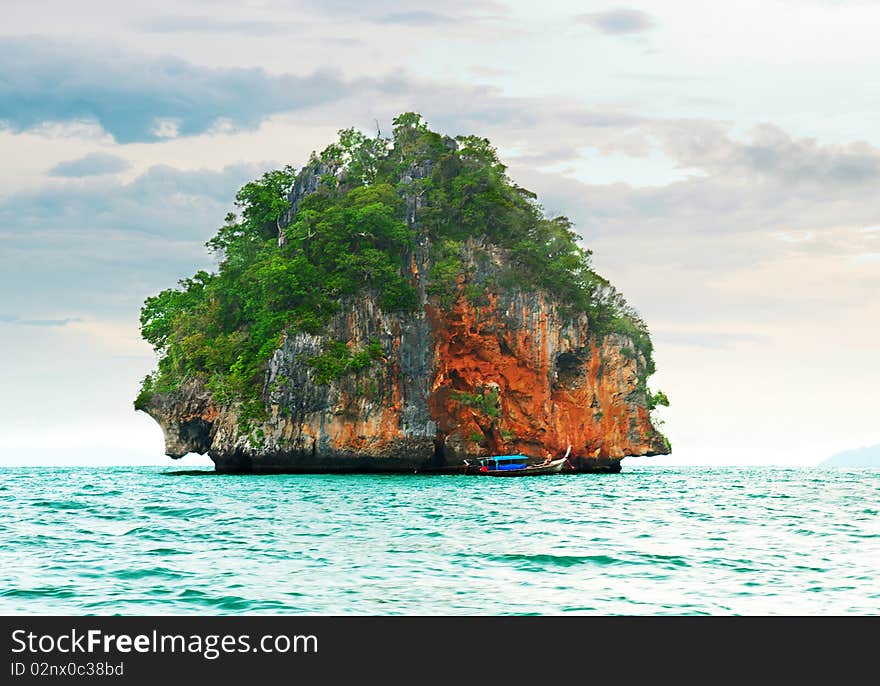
{"points": [[338, 360], [657, 399], [446, 267], [485, 404], [145, 393], [356, 233]]}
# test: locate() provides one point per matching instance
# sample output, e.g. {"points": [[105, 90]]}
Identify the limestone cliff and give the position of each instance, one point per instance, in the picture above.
{"points": [[505, 371], [490, 363]]}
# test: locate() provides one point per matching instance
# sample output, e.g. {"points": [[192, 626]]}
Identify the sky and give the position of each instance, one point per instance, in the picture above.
{"points": [[721, 160]]}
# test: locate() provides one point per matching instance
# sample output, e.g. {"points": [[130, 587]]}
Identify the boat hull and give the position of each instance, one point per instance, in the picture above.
{"points": [[554, 467]]}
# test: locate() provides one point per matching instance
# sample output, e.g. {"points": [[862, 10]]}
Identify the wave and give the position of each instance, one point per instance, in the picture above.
{"points": [[651, 541]]}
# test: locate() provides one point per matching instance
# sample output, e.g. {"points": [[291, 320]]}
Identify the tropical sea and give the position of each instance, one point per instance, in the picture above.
{"points": [[648, 541]]}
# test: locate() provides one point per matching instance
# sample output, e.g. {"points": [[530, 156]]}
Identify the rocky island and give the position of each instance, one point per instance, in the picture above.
{"points": [[398, 304]]}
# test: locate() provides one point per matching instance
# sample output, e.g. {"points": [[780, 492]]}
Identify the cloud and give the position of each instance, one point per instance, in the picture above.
{"points": [[18, 321], [415, 18], [868, 257], [744, 193], [406, 11], [618, 21], [100, 247], [770, 183], [139, 98], [308, 19], [209, 24], [707, 339], [163, 201], [131, 96], [711, 248], [771, 154], [93, 164]]}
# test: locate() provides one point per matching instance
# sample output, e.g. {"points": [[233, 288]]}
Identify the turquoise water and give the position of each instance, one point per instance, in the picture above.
{"points": [[648, 541]]}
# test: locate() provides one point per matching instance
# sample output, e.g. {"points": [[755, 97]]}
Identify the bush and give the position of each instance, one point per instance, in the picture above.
{"points": [[337, 360], [484, 404], [657, 399]]}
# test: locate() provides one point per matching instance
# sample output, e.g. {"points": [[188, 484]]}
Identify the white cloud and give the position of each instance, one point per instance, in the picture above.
{"points": [[618, 21], [166, 128]]}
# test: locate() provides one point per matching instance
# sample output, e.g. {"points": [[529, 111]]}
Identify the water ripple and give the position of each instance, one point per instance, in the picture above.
{"points": [[648, 541]]}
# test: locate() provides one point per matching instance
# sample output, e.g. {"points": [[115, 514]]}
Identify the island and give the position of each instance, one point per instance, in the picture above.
{"points": [[868, 456], [398, 304]]}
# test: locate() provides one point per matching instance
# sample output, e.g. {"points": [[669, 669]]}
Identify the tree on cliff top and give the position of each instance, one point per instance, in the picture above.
{"points": [[355, 233]]}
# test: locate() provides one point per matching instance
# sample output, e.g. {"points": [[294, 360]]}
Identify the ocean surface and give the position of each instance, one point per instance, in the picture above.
{"points": [[648, 541]]}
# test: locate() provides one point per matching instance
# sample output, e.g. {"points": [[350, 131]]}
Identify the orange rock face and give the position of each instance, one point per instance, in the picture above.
{"points": [[503, 388]]}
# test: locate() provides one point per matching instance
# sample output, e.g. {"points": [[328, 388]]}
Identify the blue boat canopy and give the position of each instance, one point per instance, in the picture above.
{"points": [[506, 458]]}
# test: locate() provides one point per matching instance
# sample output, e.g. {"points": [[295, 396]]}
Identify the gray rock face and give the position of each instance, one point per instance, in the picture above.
{"points": [[187, 419], [307, 182]]}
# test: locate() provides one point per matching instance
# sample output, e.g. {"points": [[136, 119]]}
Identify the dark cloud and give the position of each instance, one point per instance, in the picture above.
{"points": [[142, 98], [131, 95], [89, 246], [618, 21], [209, 24], [93, 164]]}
